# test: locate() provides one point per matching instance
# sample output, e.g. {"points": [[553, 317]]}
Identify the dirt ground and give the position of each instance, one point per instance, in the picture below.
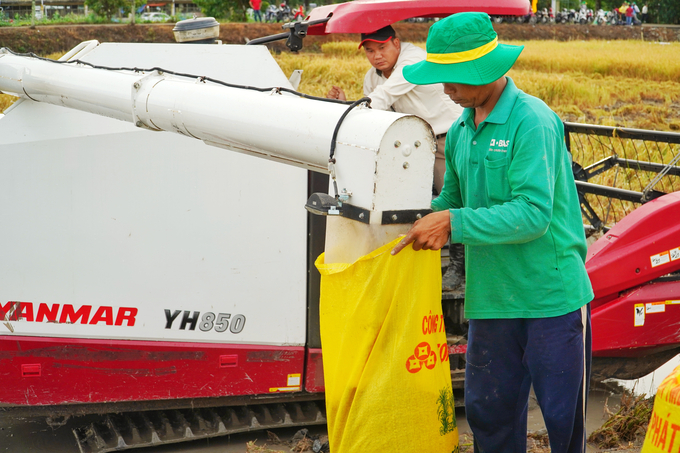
{"points": [[36, 436], [61, 38]]}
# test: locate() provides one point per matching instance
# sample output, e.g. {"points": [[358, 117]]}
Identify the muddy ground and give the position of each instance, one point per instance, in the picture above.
{"points": [[35, 435], [61, 38]]}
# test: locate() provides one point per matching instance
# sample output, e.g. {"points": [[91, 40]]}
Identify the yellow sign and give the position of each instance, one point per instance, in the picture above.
{"points": [[663, 433]]}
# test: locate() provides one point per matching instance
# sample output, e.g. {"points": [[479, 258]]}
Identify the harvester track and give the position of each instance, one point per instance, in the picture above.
{"points": [[116, 432]]}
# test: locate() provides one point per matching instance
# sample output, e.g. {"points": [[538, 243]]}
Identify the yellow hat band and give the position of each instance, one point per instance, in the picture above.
{"points": [[462, 57]]}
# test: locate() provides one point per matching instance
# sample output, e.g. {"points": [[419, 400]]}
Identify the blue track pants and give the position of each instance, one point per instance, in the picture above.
{"points": [[505, 357]]}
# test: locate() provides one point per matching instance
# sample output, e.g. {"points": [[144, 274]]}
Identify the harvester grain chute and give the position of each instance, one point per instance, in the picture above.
{"points": [[173, 282]]}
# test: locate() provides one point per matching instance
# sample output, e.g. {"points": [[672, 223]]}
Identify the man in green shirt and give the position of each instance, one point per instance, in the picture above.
{"points": [[509, 196]]}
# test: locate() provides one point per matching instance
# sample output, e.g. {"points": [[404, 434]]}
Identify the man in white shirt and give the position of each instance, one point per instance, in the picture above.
{"points": [[388, 90]]}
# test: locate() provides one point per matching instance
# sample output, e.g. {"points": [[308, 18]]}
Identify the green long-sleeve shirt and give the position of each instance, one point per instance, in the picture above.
{"points": [[513, 203]]}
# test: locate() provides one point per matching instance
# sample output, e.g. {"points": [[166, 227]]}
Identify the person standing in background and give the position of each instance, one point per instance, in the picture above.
{"points": [[256, 4], [622, 12]]}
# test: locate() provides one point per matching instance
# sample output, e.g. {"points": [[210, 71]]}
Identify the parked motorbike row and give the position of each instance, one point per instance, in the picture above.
{"points": [[581, 16], [283, 13]]}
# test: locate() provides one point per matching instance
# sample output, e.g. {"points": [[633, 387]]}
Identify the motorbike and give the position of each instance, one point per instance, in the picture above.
{"points": [[530, 18], [299, 14], [270, 14], [566, 16], [284, 14], [584, 16], [600, 17], [603, 17], [281, 13], [544, 16]]}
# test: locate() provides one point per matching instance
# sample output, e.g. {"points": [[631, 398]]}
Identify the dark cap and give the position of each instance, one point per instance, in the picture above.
{"points": [[382, 35]]}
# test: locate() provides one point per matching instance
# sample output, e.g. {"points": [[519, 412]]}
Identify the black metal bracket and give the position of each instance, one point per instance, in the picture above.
{"points": [[296, 32], [589, 213], [404, 216], [327, 205], [352, 212], [598, 167], [324, 204]]}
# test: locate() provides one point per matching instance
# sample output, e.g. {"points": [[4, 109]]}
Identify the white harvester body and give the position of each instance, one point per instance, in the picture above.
{"points": [[119, 234]]}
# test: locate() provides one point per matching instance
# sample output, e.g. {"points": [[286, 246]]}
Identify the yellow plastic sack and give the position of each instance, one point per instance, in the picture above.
{"points": [[385, 358], [663, 433]]}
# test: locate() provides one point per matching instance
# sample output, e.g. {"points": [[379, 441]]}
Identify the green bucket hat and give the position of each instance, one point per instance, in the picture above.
{"points": [[463, 48]]}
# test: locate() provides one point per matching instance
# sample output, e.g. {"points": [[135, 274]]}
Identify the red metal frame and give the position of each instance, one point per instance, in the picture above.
{"points": [[365, 16], [632, 314], [50, 371], [622, 258], [615, 333]]}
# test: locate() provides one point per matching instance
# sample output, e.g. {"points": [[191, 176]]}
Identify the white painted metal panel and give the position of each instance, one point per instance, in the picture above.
{"points": [[100, 213]]}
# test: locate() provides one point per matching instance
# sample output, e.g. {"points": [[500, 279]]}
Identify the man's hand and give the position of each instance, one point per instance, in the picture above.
{"points": [[336, 93], [429, 233]]}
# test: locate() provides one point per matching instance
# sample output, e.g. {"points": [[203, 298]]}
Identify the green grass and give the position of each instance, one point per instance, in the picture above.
{"points": [[25, 20], [68, 19]]}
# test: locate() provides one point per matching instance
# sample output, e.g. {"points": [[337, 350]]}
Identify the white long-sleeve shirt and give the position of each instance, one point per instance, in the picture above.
{"points": [[426, 101]]}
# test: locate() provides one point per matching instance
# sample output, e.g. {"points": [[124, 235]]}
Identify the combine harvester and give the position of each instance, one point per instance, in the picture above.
{"points": [[170, 286]]}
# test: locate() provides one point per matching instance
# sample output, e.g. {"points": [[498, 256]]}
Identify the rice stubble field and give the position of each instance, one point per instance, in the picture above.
{"points": [[614, 83]]}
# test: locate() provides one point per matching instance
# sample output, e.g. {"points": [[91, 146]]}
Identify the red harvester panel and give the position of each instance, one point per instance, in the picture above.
{"points": [[68, 370]]}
